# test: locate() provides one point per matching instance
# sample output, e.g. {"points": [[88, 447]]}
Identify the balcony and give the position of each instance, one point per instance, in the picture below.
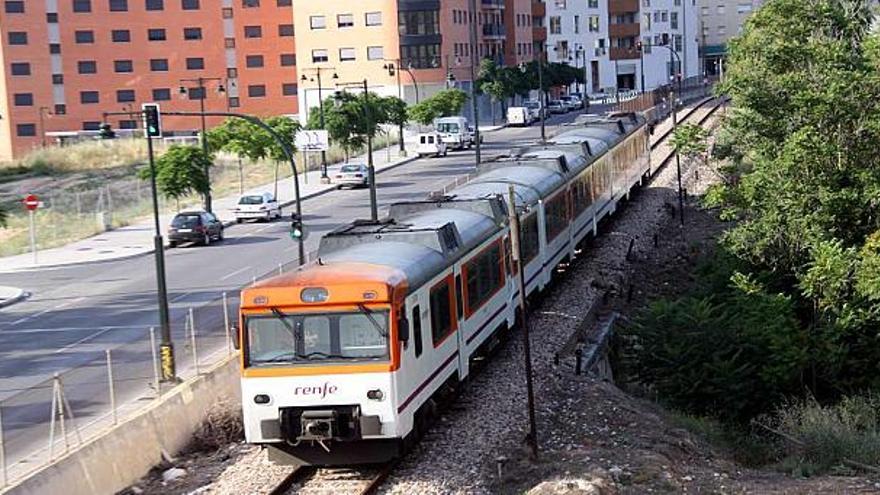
{"points": [[616, 7], [618, 53], [492, 4], [630, 30], [494, 31], [539, 33], [539, 9]]}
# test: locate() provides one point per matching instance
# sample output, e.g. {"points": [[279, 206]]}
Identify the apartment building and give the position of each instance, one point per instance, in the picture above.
{"points": [[603, 36], [67, 62], [346, 42], [721, 20]]}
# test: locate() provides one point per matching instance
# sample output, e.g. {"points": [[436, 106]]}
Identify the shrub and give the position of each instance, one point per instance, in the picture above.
{"points": [[221, 426]]}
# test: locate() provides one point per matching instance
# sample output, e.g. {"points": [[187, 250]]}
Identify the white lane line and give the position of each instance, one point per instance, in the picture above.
{"points": [[41, 313], [181, 296], [84, 339], [67, 329], [236, 272]]}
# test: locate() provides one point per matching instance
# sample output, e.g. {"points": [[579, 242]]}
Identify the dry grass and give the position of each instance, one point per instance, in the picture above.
{"points": [[221, 427], [84, 156]]}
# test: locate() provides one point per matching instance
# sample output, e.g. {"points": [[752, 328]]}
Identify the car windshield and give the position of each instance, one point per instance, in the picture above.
{"points": [[185, 221], [285, 339], [351, 168], [251, 200], [449, 127], [532, 104]]}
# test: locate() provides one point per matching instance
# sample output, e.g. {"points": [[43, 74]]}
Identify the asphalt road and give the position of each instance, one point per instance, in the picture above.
{"points": [[78, 312]]}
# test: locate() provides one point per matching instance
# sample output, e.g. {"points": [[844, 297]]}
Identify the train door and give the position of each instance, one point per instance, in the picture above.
{"points": [[463, 328]]}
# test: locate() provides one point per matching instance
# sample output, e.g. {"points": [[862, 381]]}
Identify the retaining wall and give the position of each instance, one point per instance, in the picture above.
{"points": [[114, 460]]}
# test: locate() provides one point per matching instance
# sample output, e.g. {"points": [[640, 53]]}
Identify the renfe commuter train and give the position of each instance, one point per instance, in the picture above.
{"points": [[345, 360]]}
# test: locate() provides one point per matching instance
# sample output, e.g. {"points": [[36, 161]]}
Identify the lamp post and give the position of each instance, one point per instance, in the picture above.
{"points": [[325, 179], [641, 50], [473, 67], [368, 131], [396, 70], [204, 137], [541, 95], [43, 111]]}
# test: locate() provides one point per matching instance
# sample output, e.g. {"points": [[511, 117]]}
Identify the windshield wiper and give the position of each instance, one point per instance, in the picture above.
{"points": [[288, 356], [369, 314], [283, 317]]}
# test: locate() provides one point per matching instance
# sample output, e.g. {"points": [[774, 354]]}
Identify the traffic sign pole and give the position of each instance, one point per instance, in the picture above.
{"points": [[33, 233]]}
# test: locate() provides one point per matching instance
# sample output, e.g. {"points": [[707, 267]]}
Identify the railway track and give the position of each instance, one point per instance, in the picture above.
{"points": [[705, 114], [337, 481], [662, 138]]}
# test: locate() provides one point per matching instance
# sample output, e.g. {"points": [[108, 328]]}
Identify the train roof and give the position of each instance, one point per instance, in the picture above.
{"points": [[524, 195], [543, 180]]}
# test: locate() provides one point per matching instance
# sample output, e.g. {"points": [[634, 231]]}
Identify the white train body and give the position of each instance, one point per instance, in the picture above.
{"points": [[344, 361]]}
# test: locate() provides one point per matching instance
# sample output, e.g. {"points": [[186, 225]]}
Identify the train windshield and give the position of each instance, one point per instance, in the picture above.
{"points": [[284, 339]]}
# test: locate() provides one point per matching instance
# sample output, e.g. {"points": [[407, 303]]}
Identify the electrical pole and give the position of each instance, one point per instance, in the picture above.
{"points": [[324, 178], [542, 95], [202, 96], [473, 39], [374, 207]]}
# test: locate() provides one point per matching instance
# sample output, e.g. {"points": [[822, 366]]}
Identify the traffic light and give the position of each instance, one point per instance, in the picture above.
{"points": [[638, 46], [152, 120], [106, 132], [296, 229]]}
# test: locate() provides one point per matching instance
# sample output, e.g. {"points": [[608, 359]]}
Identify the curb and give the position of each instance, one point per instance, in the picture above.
{"points": [[227, 223], [19, 296]]}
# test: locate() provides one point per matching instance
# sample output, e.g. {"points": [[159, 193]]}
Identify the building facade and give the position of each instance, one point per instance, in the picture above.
{"points": [[624, 44], [68, 62], [721, 20]]}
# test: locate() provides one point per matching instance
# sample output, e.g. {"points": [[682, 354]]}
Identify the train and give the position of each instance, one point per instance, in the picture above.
{"points": [[345, 360]]}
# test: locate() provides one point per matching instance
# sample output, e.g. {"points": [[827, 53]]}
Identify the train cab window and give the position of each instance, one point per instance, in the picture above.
{"points": [[529, 244], [556, 216], [417, 330], [442, 319], [485, 275]]}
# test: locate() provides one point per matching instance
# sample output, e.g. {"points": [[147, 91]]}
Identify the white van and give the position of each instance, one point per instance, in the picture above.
{"points": [[455, 132], [519, 116], [431, 143]]}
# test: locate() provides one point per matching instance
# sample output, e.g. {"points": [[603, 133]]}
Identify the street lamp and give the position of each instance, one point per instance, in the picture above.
{"points": [[396, 70], [325, 179], [541, 95], [200, 81], [473, 69], [368, 130]]}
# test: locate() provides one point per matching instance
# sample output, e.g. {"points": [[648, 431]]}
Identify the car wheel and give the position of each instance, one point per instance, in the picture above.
{"points": [[207, 240], [172, 244], [237, 220], [220, 235]]}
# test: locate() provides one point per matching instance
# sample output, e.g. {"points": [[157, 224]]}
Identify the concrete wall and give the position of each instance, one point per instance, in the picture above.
{"points": [[125, 453]]}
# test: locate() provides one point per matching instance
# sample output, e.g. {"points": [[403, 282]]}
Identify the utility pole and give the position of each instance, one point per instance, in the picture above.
{"points": [[542, 95], [473, 40], [325, 179], [516, 254], [200, 81], [374, 207]]}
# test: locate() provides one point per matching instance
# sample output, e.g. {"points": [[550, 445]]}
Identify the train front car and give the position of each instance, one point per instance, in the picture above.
{"points": [[317, 363]]}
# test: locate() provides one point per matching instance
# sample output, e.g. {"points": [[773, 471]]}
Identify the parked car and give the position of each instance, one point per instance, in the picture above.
{"points": [[455, 131], [194, 226], [535, 109], [431, 143], [353, 175], [556, 106], [519, 116], [257, 206], [573, 102]]}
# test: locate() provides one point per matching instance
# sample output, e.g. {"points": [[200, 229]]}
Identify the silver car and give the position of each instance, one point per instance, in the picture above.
{"points": [[353, 175]]}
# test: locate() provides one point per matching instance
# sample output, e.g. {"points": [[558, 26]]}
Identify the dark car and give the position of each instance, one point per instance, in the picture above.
{"points": [[194, 226]]}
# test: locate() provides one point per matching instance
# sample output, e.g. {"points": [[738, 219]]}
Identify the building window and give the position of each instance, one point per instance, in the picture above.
{"points": [[91, 125], [373, 18], [593, 23], [704, 10], [88, 97], [23, 99], [52, 17], [121, 36], [226, 13], [722, 31], [155, 4], [57, 78], [250, 3], [85, 36], [159, 64], [721, 9], [234, 102], [418, 22], [20, 37], [232, 73], [189, 4], [25, 130], [118, 5], [345, 20], [128, 124], [346, 54], [288, 59], [256, 91], [80, 6], [577, 24], [192, 33], [195, 63], [124, 95], [253, 61], [375, 53], [60, 109], [442, 310], [319, 55], [317, 22], [229, 42], [560, 4], [157, 34], [289, 89], [284, 3], [123, 66], [420, 56], [161, 94], [196, 93], [253, 32], [555, 24], [743, 8], [285, 30], [673, 20], [54, 48], [87, 67], [20, 68], [593, 4], [14, 7]]}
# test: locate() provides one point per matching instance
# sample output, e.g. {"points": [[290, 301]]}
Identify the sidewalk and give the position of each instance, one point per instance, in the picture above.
{"points": [[137, 239]]}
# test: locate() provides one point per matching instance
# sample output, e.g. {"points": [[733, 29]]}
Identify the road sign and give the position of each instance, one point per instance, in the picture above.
{"points": [[312, 140], [31, 202], [152, 120]]}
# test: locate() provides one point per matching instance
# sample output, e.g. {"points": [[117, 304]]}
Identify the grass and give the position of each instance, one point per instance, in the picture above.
{"points": [[79, 157]]}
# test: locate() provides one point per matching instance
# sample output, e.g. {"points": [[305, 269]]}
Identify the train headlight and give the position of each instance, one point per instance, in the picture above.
{"points": [[261, 399], [375, 394]]}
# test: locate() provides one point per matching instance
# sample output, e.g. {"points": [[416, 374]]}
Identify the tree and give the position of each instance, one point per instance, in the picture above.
{"points": [[689, 140], [285, 128], [180, 171], [350, 118], [4, 217], [395, 111], [445, 103]]}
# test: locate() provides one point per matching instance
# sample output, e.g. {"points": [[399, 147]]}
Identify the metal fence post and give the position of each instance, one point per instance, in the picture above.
{"points": [[226, 324], [155, 361], [112, 390], [3, 454], [192, 336], [254, 280], [280, 268], [66, 407], [52, 418]]}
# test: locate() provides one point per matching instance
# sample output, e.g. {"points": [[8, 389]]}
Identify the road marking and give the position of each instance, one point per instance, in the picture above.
{"points": [[181, 297], [83, 340], [236, 272], [41, 313], [68, 329]]}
